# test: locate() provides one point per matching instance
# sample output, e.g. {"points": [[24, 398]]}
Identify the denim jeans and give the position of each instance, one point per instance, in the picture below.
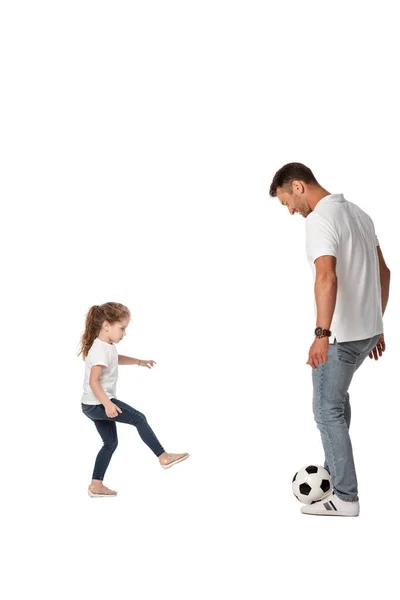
{"points": [[106, 426], [332, 413]]}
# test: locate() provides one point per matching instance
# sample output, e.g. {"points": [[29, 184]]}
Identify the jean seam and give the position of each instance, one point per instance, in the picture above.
{"points": [[114, 445], [320, 387], [111, 451], [109, 457], [104, 469]]}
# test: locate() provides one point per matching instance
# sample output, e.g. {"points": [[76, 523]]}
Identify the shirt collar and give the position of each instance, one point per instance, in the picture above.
{"points": [[330, 198]]}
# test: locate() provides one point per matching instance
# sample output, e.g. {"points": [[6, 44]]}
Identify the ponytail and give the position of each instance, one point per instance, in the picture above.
{"points": [[92, 329]]}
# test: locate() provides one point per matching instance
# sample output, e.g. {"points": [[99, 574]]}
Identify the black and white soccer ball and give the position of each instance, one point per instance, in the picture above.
{"points": [[311, 484]]}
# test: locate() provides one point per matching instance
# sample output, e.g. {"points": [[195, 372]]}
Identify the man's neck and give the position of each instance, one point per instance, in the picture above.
{"points": [[315, 195]]}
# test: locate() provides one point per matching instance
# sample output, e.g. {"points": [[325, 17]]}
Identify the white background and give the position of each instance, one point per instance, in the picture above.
{"points": [[139, 140]]}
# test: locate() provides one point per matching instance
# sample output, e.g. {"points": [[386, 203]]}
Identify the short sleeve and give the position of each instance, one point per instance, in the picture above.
{"points": [[98, 356], [372, 227], [321, 238]]}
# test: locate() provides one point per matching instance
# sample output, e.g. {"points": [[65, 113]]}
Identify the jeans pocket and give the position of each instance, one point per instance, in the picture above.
{"points": [[88, 408], [348, 352], [351, 352]]}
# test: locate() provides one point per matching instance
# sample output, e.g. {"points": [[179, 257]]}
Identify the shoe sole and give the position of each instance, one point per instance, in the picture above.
{"points": [[328, 514], [101, 495]]}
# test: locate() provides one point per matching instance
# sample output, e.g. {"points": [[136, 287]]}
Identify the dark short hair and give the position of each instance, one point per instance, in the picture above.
{"points": [[289, 173]]}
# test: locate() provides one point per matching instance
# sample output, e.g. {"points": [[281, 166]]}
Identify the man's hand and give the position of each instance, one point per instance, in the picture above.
{"points": [[318, 353], [379, 348], [112, 410]]}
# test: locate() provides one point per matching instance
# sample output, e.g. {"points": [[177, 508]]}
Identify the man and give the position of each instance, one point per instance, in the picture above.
{"points": [[351, 294]]}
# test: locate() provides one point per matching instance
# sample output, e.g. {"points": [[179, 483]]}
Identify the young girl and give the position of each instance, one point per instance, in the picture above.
{"points": [[105, 327]]}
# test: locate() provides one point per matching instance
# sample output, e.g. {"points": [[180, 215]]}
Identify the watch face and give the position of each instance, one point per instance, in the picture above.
{"points": [[318, 331]]}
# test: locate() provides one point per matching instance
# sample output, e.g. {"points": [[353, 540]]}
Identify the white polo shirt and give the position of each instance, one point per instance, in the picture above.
{"points": [[101, 353], [339, 228]]}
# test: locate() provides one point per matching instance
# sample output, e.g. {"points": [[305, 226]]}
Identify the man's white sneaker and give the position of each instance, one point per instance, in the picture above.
{"points": [[332, 506]]}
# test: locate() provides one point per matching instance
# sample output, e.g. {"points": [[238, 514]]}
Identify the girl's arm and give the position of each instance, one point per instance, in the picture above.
{"points": [[127, 360], [95, 385]]}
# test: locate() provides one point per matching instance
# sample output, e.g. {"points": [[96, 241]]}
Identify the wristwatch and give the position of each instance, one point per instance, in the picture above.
{"points": [[320, 333]]}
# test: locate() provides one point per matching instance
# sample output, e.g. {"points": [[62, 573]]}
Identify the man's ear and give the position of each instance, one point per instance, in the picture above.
{"points": [[298, 187]]}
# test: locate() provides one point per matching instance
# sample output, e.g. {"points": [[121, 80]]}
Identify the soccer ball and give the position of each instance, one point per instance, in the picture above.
{"points": [[311, 484]]}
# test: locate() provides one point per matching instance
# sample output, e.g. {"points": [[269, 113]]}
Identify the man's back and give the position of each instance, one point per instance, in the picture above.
{"points": [[340, 228]]}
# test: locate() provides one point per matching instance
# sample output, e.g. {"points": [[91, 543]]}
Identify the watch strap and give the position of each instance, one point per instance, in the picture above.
{"points": [[320, 332]]}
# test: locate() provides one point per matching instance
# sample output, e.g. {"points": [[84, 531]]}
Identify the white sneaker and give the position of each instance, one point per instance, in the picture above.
{"points": [[332, 506]]}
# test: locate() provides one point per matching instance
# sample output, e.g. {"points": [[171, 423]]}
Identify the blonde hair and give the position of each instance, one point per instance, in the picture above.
{"points": [[111, 312]]}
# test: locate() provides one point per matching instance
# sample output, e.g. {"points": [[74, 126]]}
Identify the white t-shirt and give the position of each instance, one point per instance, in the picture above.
{"points": [[339, 228], [101, 353]]}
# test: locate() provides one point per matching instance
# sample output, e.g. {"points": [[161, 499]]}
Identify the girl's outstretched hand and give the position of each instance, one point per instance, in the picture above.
{"points": [[112, 410], [147, 363]]}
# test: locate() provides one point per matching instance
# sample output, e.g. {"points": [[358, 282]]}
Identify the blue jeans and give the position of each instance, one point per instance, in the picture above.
{"points": [[106, 426], [332, 413]]}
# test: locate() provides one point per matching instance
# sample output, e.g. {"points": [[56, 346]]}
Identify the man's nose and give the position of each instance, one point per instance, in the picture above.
{"points": [[291, 210]]}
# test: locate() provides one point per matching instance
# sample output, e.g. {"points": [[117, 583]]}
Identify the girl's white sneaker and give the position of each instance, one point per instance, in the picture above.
{"points": [[332, 506]]}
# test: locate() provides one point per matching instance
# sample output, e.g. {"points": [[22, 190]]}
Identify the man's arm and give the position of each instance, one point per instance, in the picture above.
{"points": [[127, 360], [384, 274], [325, 289]]}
